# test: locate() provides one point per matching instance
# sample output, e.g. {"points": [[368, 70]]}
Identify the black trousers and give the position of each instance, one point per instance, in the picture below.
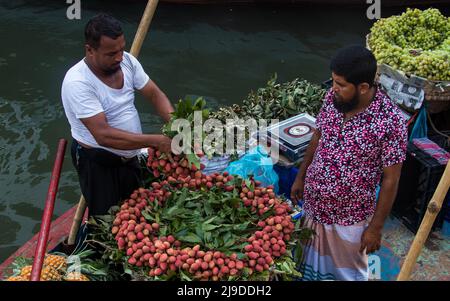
{"points": [[105, 178]]}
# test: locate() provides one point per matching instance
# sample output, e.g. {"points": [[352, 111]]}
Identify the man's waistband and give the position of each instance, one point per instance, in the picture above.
{"points": [[125, 160], [103, 156]]}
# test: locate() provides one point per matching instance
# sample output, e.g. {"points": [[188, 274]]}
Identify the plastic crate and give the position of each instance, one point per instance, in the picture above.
{"points": [[286, 176], [419, 178], [445, 144]]}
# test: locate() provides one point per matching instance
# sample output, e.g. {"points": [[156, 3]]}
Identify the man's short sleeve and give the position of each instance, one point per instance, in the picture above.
{"points": [[140, 78], [394, 142], [82, 99]]}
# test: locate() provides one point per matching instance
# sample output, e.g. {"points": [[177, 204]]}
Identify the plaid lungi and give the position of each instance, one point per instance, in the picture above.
{"points": [[333, 252]]}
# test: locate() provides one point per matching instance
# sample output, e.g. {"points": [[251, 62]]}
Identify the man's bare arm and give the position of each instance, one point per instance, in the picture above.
{"points": [[388, 191], [158, 99], [371, 238], [107, 136]]}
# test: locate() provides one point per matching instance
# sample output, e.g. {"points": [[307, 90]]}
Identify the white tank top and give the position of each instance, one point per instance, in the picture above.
{"points": [[84, 95]]}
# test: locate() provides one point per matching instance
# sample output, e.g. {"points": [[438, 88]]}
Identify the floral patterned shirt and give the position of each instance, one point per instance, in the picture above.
{"points": [[341, 181]]}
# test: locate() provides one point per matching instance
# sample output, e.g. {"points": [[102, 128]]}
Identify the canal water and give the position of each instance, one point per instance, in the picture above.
{"points": [[220, 52]]}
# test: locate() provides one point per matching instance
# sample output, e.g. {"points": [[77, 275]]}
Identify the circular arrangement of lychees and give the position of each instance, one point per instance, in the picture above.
{"points": [[144, 247]]}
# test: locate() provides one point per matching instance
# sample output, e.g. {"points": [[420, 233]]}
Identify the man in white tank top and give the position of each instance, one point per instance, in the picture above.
{"points": [[98, 99]]}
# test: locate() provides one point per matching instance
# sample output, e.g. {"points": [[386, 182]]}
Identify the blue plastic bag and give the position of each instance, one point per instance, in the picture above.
{"points": [[420, 128], [257, 163]]}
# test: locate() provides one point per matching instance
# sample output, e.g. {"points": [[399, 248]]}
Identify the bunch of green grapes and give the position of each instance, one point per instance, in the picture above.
{"points": [[416, 42]]}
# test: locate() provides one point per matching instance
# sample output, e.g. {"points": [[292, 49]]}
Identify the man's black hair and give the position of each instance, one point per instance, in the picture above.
{"points": [[356, 64], [101, 25]]}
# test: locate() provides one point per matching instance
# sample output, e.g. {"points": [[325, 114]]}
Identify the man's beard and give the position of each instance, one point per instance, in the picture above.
{"points": [[344, 107], [112, 70]]}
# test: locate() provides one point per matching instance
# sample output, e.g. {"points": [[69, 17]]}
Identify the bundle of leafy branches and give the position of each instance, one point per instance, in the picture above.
{"points": [[186, 109], [276, 101]]}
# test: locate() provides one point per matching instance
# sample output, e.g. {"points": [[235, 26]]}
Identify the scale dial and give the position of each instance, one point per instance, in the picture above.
{"points": [[298, 130]]}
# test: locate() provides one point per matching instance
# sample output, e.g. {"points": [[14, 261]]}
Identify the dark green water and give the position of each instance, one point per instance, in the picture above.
{"points": [[220, 52]]}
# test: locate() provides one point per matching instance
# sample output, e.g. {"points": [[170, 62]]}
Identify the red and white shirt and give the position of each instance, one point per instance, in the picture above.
{"points": [[341, 181]]}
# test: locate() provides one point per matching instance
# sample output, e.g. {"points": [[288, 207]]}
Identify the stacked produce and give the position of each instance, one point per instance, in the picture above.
{"points": [[187, 225], [55, 268], [416, 42], [191, 226], [174, 166], [276, 101]]}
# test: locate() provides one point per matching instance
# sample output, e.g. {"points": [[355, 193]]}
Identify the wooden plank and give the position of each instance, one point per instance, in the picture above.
{"points": [[434, 206]]}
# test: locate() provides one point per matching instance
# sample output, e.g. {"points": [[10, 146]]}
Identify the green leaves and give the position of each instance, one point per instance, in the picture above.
{"points": [[175, 211], [147, 215], [193, 159], [185, 109], [206, 227], [214, 219], [281, 101], [184, 276], [191, 237], [230, 242], [285, 268]]}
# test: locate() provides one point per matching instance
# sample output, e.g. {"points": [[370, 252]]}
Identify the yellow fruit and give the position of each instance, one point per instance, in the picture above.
{"points": [[57, 262], [26, 271], [48, 273], [74, 276], [16, 278]]}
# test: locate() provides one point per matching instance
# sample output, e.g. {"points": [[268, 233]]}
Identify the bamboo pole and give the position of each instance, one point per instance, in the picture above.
{"points": [[143, 27], [135, 49], [425, 227], [77, 221]]}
